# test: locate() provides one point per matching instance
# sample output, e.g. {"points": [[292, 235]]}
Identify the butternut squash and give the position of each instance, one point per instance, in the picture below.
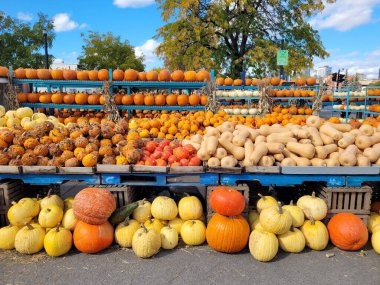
{"points": [[227, 136], [266, 161], [283, 138], [315, 137], [220, 153], [197, 139], [279, 157], [344, 128], [372, 153], [248, 148], [313, 121], [301, 161], [211, 144], [304, 150], [213, 162], [202, 152], [348, 156], [197, 146], [239, 140], [243, 133], [301, 133], [226, 127], [305, 141], [323, 151], [260, 139], [318, 162], [334, 155], [326, 139], [259, 151], [266, 130], [363, 161], [274, 148], [228, 161], [346, 140], [377, 162], [253, 132], [211, 131], [366, 130], [356, 132], [236, 151], [288, 162], [332, 162], [331, 132], [364, 142]]}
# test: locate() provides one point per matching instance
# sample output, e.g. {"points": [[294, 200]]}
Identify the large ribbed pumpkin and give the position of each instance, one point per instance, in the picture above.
{"points": [[20, 73], [4, 72], [227, 234], [82, 75], [43, 74], [117, 75], [92, 238], [203, 75], [190, 76], [103, 74], [227, 201], [57, 74], [142, 76], [152, 75], [131, 75], [347, 231], [178, 75], [164, 75], [94, 205], [31, 73], [69, 75], [93, 75]]}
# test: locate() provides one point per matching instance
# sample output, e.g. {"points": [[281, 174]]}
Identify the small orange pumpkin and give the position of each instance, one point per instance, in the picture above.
{"points": [[93, 99], [57, 98], [177, 76], [183, 100], [57, 74], [69, 75], [138, 99], [31, 73], [92, 238], [131, 75], [142, 76], [43, 74], [171, 99], [117, 75], [103, 74], [20, 73], [159, 100], [164, 75], [203, 75], [149, 100], [93, 75], [152, 75], [190, 76], [127, 100], [69, 98], [81, 98], [82, 75], [194, 100]]}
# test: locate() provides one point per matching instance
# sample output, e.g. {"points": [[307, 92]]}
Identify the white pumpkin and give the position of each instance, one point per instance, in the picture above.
{"points": [[164, 208], [52, 200], [190, 208], [146, 243], [24, 112], [316, 234], [69, 221], [313, 207], [373, 221], [193, 232], [58, 241], [30, 239], [142, 212], [297, 214], [7, 237], [50, 216], [292, 241], [263, 245], [124, 232], [276, 220], [265, 202], [169, 237]]}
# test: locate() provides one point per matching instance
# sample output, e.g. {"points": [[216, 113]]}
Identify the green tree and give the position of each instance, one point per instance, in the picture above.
{"points": [[108, 51], [22, 45], [229, 35]]}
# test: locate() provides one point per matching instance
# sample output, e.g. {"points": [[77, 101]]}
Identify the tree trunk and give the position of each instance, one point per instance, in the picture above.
{"points": [[236, 68]]}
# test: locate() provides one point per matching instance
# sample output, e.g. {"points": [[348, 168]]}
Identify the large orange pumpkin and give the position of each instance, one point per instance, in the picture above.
{"points": [[82, 75], [228, 81], [103, 74], [117, 75], [94, 205], [92, 238], [190, 76], [227, 234], [43, 74], [238, 82], [93, 99], [311, 81], [149, 100], [220, 81], [194, 100], [171, 99], [93, 75], [204, 100], [183, 100], [127, 100], [45, 98], [152, 75], [57, 98], [31, 73], [118, 98], [69, 98], [22, 97], [178, 75], [347, 231], [300, 81], [164, 75], [56, 74], [69, 75], [4, 72], [227, 201], [33, 97], [203, 75], [159, 100], [142, 76], [275, 81], [81, 98], [131, 75], [20, 73], [255, 82], [138, 99]]}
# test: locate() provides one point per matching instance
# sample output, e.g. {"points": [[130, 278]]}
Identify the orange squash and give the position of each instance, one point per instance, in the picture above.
{"points": [[82, 75], [164, 75], [56, 74], [152, 75], [103, 74], [300, 81], [190, 76], [177, 76], [227, 201], [238, 82], [93, 75], [311, 81], [92, 238], [183, 100], [43, 74], [31, 73], [204, 100], [118, 98], [45, 98], [81, 99], [20, 73], [131, 75], [275, 81], [117, 75], [69, 75]]}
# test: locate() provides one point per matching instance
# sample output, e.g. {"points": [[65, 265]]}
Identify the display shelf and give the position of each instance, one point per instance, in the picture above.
{"points": [[61, 106], [59, 83], [168, 108], [372, 113], [160, 85]]}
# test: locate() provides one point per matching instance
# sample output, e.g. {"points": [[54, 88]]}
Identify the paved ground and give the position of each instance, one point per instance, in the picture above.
{"points": [[197, 265]]}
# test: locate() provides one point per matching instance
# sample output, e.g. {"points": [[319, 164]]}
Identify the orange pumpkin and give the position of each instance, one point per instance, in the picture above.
{"points": [[248, 82], [227, 201], [152, 75], [177, 76], [33, 97], [255, 82], [69, 75], [300, 81], [149, 100], [138, 99], [142, 76], [347, 231], [203, 75], [4, 72], [22, 97], [43, 74], [93, 99], [45, 98], [103, 74], [102, 101], [159, 100], [31, 73], [92, 238], [275, 81], [82, 75], [127, 100], [93, 75], [311, 81], [117, 75], [194, 100], [118, 98], [190, 76], [81, 99], [228, 81], [204, 100], [69, 99], [171, 99], [20, 73], [131, 75], [220, 81], [227, 234], [164, 75], [57, 98], [183, 100], [238, 82], [57, 74]]}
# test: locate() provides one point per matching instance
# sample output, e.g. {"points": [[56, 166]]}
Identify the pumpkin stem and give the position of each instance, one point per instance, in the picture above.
{"points": [[29, 226], [57, 228], [312, 221], [291, 203], [49, 192], [187, 194], [261, 196], [313, 194], [144, 227], [280, 208], [292, 228], [142, 201], [13, 203]]}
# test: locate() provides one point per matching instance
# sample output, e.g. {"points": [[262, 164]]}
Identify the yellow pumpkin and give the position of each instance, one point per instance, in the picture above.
{"points": [[124, 232], [297, 214], [316, 234], [154, 224], [375, 240], [52, 200], [169, 237], [190, 208], [265, 202], [69, 220], [30, 239], [276, 220], [164, 208], [292, 241], [263, 245], [142, 212], [146, 243], [313, 207], [50, 216], [252, 216], [176, 224], [7, 237], [24, 112], [23, 212], [373, 221], [193, 232], [68, 203], [58, 241]]}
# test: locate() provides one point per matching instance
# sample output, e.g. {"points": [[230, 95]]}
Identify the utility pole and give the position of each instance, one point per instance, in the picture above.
{"points": [[46, 50]]}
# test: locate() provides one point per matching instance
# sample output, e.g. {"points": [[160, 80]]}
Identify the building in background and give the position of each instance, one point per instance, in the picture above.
{"points": [[60, 64], [322, 71], [361, 76]]}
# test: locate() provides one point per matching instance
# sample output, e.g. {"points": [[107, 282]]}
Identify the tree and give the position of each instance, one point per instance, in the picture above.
{"points": [[21, 45], [108, 51], [229, 35]]}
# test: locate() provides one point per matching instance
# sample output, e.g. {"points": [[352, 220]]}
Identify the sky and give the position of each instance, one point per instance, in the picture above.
{"points": [[350, 29]]}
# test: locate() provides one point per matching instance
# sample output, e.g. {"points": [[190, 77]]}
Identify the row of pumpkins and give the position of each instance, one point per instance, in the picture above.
{"points": [[274, 81], [49, 223]]}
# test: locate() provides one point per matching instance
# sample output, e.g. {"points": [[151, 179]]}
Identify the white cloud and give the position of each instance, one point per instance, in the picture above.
{"points": [[344, 15], [147, 50], [133, 3], [63, 23], [26, 17], [83, 26]]}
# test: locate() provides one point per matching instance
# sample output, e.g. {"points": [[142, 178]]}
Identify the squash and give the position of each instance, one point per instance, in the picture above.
{"points": [[292, 241], [154, 224], [326, 139], [297, 214], [146, 243], [373, 221], [316, 234], [263, 245], [214, 162], [252, 217], [265, 202], [227, 201], [260, 139], [120, 214], [124, 232], [176, 224], [364, 142], [260, 149], [266, 161], [142, 213], [288, 162], [315, 136], [7, 237], [190, 208], [23, 212], [68, 203], [275, 148], [93, 238], [344, 128], [69, 221], [346, 140], [239, 140], [58, 241], [301, 133], [164, 208], [366, 130], [331, 132], [347, 231], [363, 161], [30, 239], [169, 237], [279, 157], [228, 161], [375, 240], [349, 156], [193, 232], [318, 162], [276, 220], [211, 145], [304, 150], [372, 153], [283, 138], [323, 151], [266, 130], [51, 200], [202, 152], [237, 152], [313, 207], [221, 152], [313, 121]]}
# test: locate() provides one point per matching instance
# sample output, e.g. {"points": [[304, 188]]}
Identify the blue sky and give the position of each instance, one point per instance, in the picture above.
{"points": [[350, 29]]}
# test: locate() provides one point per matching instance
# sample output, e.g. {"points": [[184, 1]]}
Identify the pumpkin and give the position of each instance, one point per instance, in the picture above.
{"points": [[57, 98], [203, 75], [154, 224], [58, 241], [22, 97], [176, 224], [141, 76], [228, 81], [52, 200], [138, 99], [82, 75], [159, 100], [171, 99], [152, 75], [227, 201], [292, 241], [117, 75], [69, 220], [43, 74], [56, 74], [275, 81], [347, 231], [238, 82], [7, 237], [164, 75], [190, 208], [19, 73], [50, 216], [33, 97], [375, 207], [23, 212], [92, 238], [193, 232], [30, 239], [253, 217], [316, 234], [220, 81], [375, 240], [93, 75], [69, 75], [94, 205], [131, 75], [69, 98], [124, 232], [164, 208], [297, 214], [68, 203], [313, 207], [169, 237], [146, 243], [263, 245], [103, 74], [190, 76], [373, 221], [300, 81], [227, 234], [31, 73], [81, 98], [127, 100], [177, 76], [142, 212], [149, 100], [311, 81], [204, 100], [90, 160], [265, 202], [276, 220], [183, 100], [194, 100]]}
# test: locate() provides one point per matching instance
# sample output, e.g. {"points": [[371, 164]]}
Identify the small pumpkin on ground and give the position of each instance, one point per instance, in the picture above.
{"points": [[227, 201], [92, 238]]}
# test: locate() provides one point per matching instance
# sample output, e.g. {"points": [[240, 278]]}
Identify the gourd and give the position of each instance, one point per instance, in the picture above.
{"points": [[213, 162], [154, 224], [164, 208], [228, 161], [275, 148], [313, 121], [292, 241], [373, 221], [227, 201], [50, 216], [373, 153], [221, 152], [326, 139], [323, 151], [197, 139], [51, 200], [283, 138], [364, 142], [318, 162], [304, 150], [315, 136], [120, 214], [211, 145], [68, 203], [7, 237], [124, 232], [69, 221], [276, 220], [176, 224], [142, 213], [349, 156], [193, 232], [265, 202], [23, 212], [346, 140], [263, 245], [58, 241], [296, 213], [248, 148], [146, 243], [332, 162], [259, 151], [313, 207], [169, 237], [30, 239], [226, 127], [331, 132], [197, 146], [316, 234], [190, 208], [236, 151]]}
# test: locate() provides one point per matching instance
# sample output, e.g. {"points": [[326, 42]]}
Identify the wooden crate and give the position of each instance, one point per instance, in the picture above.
{"points": [[242, 188], [355, 200], [123, 194]]}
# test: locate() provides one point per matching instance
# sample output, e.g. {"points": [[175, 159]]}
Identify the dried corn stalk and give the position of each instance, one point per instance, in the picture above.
{"points": [[10, 96], [212, 104], [109, 107], [317, 104], [265, 102]]}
